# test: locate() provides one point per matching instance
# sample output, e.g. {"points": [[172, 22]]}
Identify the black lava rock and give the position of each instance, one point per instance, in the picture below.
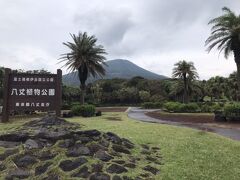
{"points": [[25, 161], [78, 150], [115, 168], [97, 167], [99, 176], [121, 149], [116, 177], [82, 172], [17, 173], [102, 155], [42, 169], [151, 169], [7, 153], [69, 165]]}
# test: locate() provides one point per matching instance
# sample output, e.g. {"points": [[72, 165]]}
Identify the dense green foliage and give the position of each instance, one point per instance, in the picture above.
{"points": [[152, 105], [181, 107], [83, 110], [139, 90], [232, 111]]}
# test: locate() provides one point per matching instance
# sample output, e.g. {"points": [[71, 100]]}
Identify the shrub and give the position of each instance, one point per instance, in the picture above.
{"points": [[152, 105], [173, 106], [77, 110], [190, 108], [181, 108], [88, 110], [83, 110], [216, 107], [232, 111], [206, 108]]}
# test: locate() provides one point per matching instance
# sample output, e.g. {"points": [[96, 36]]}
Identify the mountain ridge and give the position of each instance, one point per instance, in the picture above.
{"points": [[117, 68]]}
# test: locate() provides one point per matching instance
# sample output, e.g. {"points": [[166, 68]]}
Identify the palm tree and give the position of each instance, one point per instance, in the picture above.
{"points": [[225, 36], [85, 57], [187, 73]]}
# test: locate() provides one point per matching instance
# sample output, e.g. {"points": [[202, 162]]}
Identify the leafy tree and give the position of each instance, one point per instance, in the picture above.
{"points": [[144, 96], [225, 36], [86, 57], [186, 72]]}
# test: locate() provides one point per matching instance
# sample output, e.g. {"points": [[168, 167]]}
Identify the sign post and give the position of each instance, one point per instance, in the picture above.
{"points": [[29, 92], [5, 111]]}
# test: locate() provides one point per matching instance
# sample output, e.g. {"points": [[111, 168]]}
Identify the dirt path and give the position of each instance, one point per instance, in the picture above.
{"points": [[139, 114]]}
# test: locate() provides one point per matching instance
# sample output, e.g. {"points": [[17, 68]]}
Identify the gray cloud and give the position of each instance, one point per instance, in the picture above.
{"points": [[154, 34]]}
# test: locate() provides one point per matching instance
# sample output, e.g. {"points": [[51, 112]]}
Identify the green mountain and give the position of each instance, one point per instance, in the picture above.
{"points": [[118, 68]]}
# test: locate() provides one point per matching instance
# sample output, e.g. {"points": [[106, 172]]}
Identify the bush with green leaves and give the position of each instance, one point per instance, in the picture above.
{"points": [[173, 106], [208, 108], [216, 107], [205, 108], [181, 108], [232, 111], [190, 108], [152, 105], [83, 110]]}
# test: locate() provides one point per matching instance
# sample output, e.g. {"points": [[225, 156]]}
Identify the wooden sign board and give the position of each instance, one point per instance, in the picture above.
{"points": [[30, 92]]}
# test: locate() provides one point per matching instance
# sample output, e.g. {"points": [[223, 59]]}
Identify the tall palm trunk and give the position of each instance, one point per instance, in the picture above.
{"points": [[185, 98], [238, 80], [237, 61], [82, 87]]}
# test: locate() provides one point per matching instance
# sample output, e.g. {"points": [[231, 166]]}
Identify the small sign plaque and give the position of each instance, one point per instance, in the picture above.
{"points": [[29, 92]]}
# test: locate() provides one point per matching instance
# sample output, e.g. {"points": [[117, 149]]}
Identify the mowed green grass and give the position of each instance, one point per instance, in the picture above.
{"points": [[187, 154]]}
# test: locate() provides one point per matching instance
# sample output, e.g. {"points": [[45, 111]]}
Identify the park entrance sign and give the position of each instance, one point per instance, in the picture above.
{"points": [[30, 92]]}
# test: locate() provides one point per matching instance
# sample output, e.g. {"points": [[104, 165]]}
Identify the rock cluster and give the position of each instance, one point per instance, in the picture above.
{"points": [[52, 148]]}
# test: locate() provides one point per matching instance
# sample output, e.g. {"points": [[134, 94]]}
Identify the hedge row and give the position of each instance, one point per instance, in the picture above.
{"points": [[152, 105], [184, 108], [181, 108]]}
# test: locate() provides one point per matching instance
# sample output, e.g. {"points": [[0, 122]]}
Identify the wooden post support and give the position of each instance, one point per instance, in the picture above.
{"points": [[5, 111], [59, 92]]}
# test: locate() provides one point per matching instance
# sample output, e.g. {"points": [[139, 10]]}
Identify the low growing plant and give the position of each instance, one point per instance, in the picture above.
{"points": [[83, 110], [232, 111], [181, 108], [152, 105]]}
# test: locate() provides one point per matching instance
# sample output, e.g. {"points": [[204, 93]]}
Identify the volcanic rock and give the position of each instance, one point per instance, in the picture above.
{"points": [[99, 176], [17, 173], [97, 167], [31, 144], [102, 155], [25, 160], [151, 169], [82, 172], [7, 153], [42, 169], [78, 150], [121, 149], [115, 168], [68, 165]]}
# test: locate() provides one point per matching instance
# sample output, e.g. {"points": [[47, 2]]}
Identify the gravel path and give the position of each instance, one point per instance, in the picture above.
{"points": [[139, 114]]}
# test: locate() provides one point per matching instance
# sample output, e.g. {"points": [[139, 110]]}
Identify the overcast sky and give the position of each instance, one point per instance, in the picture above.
{"points": [[153, 34]]}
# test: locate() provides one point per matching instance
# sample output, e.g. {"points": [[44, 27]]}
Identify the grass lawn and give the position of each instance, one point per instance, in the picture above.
{"points": [[186, 153]]}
